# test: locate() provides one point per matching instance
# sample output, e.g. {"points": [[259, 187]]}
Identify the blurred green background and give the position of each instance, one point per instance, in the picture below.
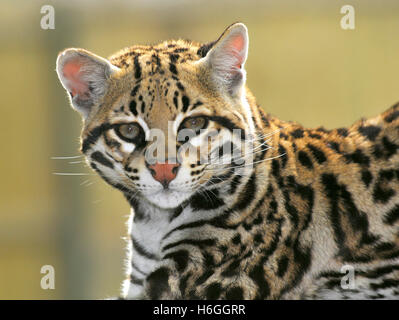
{"points": [[302, 66]]}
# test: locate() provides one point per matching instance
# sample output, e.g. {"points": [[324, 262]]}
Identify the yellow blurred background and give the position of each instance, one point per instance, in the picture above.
{"points": [[302, 66]]}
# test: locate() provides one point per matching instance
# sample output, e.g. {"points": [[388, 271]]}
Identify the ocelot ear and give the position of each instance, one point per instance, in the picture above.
{"points": [[85, 76], [227, 57]]}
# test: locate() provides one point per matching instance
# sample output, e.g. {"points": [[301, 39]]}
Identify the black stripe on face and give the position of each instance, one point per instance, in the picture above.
{"points": [[197, 104], [172, 64], [227, 123], [100, 158], [93, 136], [186, 102], [133, 107], [137, 67]]}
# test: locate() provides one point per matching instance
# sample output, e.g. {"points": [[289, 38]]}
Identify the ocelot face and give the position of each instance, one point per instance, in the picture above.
{"points": [[163, 123]]}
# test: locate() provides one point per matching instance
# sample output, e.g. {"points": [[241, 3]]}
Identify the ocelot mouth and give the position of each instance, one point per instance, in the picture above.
{"points": [[168, 198]]}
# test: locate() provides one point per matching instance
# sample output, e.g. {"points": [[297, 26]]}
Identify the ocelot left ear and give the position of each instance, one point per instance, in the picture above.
{"points": [[85, 76], [227, 57]]}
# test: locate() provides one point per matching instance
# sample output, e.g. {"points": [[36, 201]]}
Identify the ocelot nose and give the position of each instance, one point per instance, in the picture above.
{"points": [[164, 172]]}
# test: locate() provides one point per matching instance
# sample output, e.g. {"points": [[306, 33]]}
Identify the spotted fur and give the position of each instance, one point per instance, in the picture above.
{"points": [[313, 201]]}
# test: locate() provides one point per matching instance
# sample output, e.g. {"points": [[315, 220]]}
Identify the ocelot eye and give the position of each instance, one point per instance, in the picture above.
{"points": [[131, 132], [194, 123]]}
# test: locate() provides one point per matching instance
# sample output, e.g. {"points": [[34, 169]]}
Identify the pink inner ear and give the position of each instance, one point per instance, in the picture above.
{"points": [[237, 44], [71, 71]]}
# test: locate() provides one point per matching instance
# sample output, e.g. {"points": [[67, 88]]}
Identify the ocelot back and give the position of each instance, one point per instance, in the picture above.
{"points": [[234, 203]]}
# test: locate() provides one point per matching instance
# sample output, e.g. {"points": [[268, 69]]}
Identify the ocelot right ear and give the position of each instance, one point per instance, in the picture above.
{"points": [[85, 77], [226, 58]]}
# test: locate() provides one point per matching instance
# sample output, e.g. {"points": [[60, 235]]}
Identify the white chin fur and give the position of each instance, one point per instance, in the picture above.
{"points": [[168, 199]]}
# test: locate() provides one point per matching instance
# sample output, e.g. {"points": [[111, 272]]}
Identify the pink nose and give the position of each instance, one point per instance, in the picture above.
{"points": [[164, 172]]}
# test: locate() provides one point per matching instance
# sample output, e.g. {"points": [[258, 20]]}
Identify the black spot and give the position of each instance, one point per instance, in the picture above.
{"points": [[296, 134], [133, 107], [137, 67], [237, 239], [235, 293], [142, 107], [389, 147], [333, 146], [186, 102], [382, 193], [180, 257], [342, 132], [392, 216], [175, 102], [258, 238], [172, 68], [315, 136], [275, 168], [232, 269], [180, 86], [178, 50], [304, 159], [134, 91], [282, 266], [173, 57], [282, 151], [258, 275], [358, 157], [273, 206], [317, 153], [370, 132], [393, 116], [213, 291], [158, 283], [203, 50], [99, 157], [366, 177]]}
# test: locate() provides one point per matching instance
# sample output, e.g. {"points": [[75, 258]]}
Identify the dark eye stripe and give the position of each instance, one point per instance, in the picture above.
{"points": [[227, 123], [93, 136], [99, 157]]}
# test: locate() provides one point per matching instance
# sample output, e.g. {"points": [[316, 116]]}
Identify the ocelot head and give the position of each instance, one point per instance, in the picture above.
{"points": [[163, 122]]}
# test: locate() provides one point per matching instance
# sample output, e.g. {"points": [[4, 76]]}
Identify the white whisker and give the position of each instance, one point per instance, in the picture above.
{"points": [[73, 174], [65, 158]]}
